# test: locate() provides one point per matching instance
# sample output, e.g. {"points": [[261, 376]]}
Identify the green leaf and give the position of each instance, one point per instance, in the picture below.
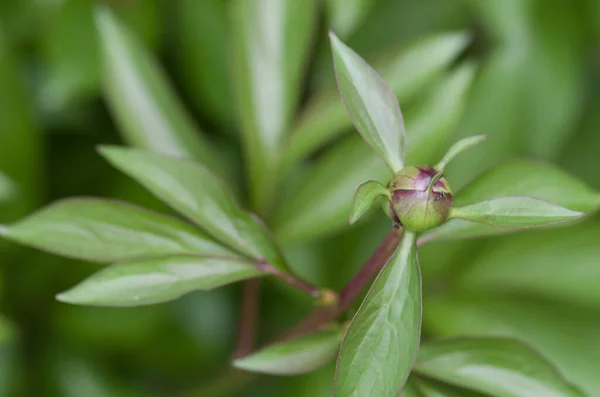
{"points": [[156, 280], [7, 330], [572, 343], [514, 212], [371, 104], [431, 388], [108, 231], [500, 367], [346, 15], [143, 103], [319, 203], [559, 264], [202, 35], [381, 345], [196, 193], [408, 73], [7, 188], [366, 194], [298, 356], [432, 123], [410, 389], [458, 147], [518, 178], [272, 39]]}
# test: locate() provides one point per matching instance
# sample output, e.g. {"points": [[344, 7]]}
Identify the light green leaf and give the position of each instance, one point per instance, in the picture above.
{"points": [[560, 264], [271, 40], [430, 126], [514, 212], [202, 52], [500, 367], [320, 202], [518, 178], [298, 356], [143, 103], [365, 196], [156, 280], [381, 345], [346, 15], [431, 388], [7, 330], [108, 231], [7, 188], [458, 147], [572, 344], [196, 193], [371, 104], [408, 73]]}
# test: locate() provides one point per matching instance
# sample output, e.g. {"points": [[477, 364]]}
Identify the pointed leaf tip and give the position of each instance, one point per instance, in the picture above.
{"points": [[371, 104], [459, 147], [515, 212], [365, 196]]}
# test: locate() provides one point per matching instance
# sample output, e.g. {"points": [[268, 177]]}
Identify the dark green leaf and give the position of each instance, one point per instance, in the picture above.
{"points": [[108, 231], [366, 194], [195, 192], [7, 330], [408, 74], [371, 104], [381, 345], [500, 367], [202, 33], [271, 40], [155, 280], [298, 356], [458, 147], [430, 388], [143, 103], [514, 212], [410, 389]]}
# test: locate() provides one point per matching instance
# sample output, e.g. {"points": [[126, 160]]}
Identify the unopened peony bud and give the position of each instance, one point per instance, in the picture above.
{"points": [[416, 204]]}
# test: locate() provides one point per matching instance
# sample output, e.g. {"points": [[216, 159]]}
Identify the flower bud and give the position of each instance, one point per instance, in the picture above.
{"points": [[415, 204]]}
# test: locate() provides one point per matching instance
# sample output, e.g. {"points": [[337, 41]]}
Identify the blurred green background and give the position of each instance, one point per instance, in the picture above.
{"points": [[536, 90]]}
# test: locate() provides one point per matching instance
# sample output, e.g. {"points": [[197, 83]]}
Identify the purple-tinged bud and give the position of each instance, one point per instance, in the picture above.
{"points": [[417, 204]]}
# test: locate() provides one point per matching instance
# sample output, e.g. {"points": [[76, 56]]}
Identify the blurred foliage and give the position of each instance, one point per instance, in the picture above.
{"points": [[536, 91]]}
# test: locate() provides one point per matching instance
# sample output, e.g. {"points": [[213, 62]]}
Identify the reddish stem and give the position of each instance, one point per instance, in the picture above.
{"points": [[248, 318]]}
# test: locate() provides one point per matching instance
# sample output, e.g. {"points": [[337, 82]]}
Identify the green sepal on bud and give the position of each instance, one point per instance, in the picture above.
{"points": [[421, 198]]}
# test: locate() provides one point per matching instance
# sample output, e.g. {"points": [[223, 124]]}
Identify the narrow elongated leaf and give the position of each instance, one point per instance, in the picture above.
{"points": [[108, 231], [202, 33], [410, 389], [408, 73], [514, 212], [155, 280], [7, 188], [195, 192], [143, 103], [319, 203], [382, 342], [365, 196], [271, 41], [371, 104], [299, 356], [459, 147], [500, 367], [517, 178]]}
